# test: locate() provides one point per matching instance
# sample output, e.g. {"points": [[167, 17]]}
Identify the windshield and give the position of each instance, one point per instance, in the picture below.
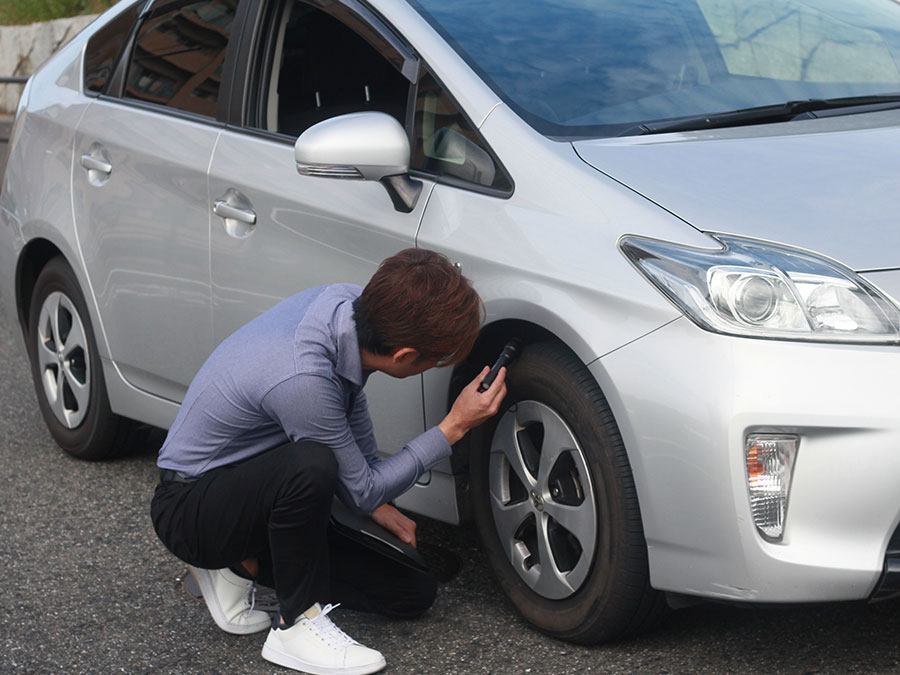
{"points": [[588, 68]]}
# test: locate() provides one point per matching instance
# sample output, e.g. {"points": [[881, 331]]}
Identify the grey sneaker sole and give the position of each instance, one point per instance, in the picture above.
{"points": [[209, 597], [269, 653]]}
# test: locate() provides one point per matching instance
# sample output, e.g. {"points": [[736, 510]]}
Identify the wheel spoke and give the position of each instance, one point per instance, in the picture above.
{"points": [[75, 339], [53, 309], [45, 322], [46, 356], [80, 390], [508, 518], [557, 440], [552, 583], [505, 441], [57, 403], [580, 521]]}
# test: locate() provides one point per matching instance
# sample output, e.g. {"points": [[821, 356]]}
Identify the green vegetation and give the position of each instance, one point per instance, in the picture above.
{"points": [[29, 11]]}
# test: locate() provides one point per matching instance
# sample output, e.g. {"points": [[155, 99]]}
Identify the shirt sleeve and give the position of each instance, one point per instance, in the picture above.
{"points": [[310, 407], [362, 428]]}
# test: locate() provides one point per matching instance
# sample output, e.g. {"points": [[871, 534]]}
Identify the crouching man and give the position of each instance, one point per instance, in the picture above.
{"points": [[275, 424]]}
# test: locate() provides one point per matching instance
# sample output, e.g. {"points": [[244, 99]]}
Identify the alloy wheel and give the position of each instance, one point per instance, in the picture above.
{"points": [[63, 359], [542, 500]]}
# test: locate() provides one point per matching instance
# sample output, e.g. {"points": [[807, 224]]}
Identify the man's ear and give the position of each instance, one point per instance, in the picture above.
{"points": [[404, 355]]}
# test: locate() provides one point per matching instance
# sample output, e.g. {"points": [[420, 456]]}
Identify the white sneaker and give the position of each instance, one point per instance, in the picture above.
{"points": [[315, 645], [230, 600]]}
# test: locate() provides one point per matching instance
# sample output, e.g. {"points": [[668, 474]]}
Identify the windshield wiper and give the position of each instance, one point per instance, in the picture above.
{"points": [[766, 114]]}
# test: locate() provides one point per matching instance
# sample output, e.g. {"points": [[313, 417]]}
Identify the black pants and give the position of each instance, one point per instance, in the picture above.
{"points": [[275, 507]]}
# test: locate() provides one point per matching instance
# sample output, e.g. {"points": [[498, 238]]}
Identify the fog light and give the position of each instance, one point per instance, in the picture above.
{"points": [[770, 463]]}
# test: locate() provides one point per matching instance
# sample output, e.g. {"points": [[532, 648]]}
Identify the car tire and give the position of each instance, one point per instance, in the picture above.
{"points": [[551, 482], [65, 367]]}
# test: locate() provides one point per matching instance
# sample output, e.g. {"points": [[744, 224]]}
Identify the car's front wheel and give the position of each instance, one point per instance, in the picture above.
{"points": [[556, 507], [65, 366]]}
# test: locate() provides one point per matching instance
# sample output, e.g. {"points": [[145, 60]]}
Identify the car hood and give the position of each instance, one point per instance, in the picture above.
{"points": [[827, 185]]}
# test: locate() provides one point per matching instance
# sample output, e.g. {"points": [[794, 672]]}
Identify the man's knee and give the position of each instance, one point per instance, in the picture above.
{"points": [[310, 468]]}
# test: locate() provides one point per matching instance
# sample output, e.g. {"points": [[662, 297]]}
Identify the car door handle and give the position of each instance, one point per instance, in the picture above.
{"points": [[94, 164], [224, 210]]}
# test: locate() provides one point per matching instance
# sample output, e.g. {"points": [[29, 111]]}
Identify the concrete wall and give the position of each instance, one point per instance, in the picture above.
{"points": [[24, 48]]}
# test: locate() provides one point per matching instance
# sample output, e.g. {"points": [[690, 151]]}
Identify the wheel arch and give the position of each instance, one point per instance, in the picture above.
{"points": [[33, 258], [492, 338]]}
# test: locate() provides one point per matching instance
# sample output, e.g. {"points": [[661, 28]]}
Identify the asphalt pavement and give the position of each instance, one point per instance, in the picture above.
{"points": [[87, 588]]}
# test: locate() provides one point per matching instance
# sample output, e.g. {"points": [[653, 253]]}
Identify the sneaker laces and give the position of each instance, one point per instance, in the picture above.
{"points": [[250, 598], [328, 631]]}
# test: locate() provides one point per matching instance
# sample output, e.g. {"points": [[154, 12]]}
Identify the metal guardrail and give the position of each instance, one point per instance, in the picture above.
{"points": [[6, 125], [4, 128]]}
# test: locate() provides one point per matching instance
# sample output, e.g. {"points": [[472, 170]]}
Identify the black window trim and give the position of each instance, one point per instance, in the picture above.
{"points": [[158, 108], [411, 59], [126, 49]]}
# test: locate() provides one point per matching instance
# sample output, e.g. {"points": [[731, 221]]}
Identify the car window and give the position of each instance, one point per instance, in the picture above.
{"points": [[807, 43], [320, 67], [178, 55], [103, 49], [445, 143], [577, 68]]}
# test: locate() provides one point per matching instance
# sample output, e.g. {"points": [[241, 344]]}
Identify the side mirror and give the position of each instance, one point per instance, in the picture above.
{"points": [[360, 146]]}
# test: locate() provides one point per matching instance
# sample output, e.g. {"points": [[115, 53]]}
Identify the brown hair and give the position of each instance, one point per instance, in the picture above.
{"points": [[417, 298]]}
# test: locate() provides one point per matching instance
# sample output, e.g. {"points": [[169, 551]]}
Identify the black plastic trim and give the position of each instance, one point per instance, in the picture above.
{"points": [[163, 110], [888, 585], [255, 63], [141, 6], [264, 134], [464, 184], [232, 58], [410, 67], [116, 83], [251, 19], [403, 190]]}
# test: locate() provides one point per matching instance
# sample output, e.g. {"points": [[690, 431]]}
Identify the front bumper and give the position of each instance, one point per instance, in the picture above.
{"points": [[685, 399]]}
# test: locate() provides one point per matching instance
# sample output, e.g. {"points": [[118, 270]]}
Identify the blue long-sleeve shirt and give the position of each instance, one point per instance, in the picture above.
{"points": [[294, 373]]}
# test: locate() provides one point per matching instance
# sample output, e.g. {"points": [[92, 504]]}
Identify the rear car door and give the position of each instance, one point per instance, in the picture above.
{"points": [[141, 199], [288, 232]]}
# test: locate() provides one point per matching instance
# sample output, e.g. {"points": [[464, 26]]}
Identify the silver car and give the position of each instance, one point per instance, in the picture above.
{"points": [[686, 210]]}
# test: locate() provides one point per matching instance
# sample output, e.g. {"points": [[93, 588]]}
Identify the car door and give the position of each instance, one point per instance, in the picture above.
{"points": [[278, 232], [141, 200]]}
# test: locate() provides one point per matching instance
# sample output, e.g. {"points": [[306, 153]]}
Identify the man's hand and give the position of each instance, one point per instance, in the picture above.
{"points": [[472, 407], [396, 523]]}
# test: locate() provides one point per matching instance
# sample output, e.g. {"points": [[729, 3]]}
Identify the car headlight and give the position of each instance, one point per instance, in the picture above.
{"points": [[760, 289]]}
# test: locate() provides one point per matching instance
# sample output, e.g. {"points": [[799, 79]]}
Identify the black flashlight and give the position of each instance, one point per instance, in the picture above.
{"points": [[510, 352]]}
